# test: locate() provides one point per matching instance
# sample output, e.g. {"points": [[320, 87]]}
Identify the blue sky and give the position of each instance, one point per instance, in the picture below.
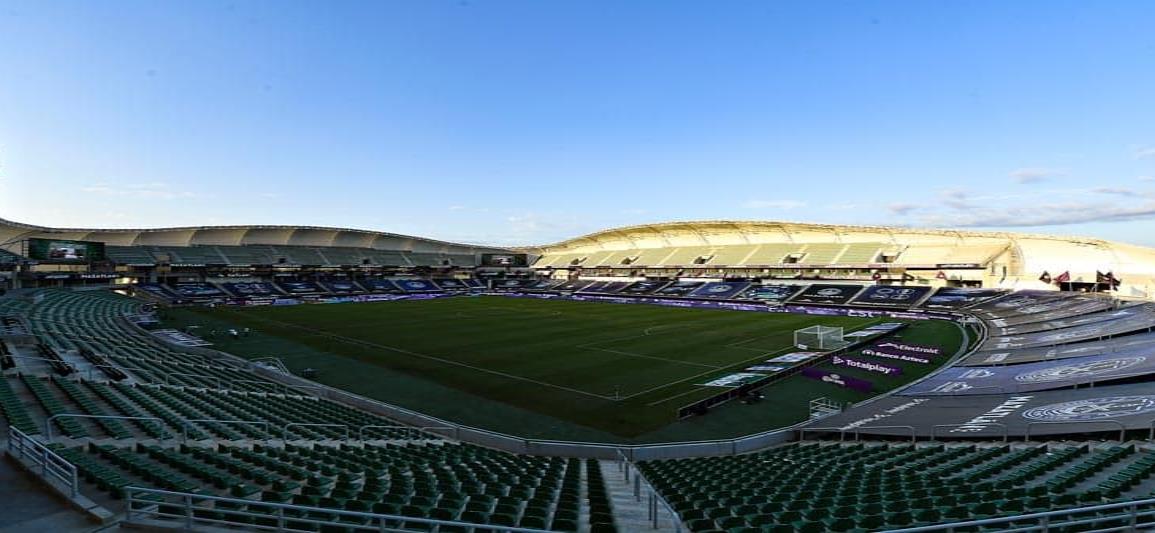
{"points": [[527, 122]]}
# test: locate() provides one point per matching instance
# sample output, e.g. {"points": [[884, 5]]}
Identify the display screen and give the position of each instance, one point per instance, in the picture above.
{"points": [[504, 260], [771, 293], [65, 251], [827, 294], [890, 296]]}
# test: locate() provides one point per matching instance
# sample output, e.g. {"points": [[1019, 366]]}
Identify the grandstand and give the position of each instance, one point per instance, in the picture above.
{"points": [[1042, 418], [794, 250]]}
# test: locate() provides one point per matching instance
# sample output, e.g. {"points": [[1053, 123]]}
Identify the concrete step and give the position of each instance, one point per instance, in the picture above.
{"points": [[632, 512]]}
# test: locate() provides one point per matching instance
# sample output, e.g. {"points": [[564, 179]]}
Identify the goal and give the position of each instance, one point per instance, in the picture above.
{"points": [[819, 338], [824, 407]]}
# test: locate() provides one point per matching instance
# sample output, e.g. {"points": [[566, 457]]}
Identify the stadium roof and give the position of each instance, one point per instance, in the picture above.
{"points": [[11, 231], [763, 227]]}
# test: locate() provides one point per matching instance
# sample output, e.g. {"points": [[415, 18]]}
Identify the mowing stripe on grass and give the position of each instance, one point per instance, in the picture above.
{"points": [[631, 354], [350, 340]]}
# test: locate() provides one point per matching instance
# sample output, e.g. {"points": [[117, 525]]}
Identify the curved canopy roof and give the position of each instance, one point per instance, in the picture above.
{"points": [[11, 232]]}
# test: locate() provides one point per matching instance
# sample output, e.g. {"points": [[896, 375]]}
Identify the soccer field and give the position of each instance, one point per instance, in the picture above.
{"points": [[621, 369]]}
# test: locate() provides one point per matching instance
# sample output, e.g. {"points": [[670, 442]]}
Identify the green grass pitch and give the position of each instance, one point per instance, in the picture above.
{"points": [[618, 370]]}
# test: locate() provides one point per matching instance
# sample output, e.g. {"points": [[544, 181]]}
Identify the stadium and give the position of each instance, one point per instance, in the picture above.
{"points": [[702, 376]]}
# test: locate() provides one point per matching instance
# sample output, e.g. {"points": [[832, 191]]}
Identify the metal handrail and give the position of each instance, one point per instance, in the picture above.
{"points": [[828, 429], [361, 430], [48, 421], [185, 424], [21, 445], [276, 361], [180, 363], [94, 367], [655, 499], [303, 514], [410, 429], [913, 432], [168, 380], [285, 430], [232, 384], [1045, 518], [60, 361], [934, 429]]}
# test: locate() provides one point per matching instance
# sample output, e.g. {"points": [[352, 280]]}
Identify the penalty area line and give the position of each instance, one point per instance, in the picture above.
{"points": [[696, 376]]}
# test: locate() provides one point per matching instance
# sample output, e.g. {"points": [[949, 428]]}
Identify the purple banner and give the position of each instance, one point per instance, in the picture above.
{"points": [[866, 365], [896, 356], [908, 348], [827, 376]]}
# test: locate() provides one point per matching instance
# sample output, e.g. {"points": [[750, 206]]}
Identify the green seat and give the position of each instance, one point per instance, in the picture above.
{"points": [[840, 524], [871, 522], [901, 518]]}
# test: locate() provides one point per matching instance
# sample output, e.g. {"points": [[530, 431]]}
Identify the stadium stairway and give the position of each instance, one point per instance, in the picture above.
{"points": [[631, 512]]}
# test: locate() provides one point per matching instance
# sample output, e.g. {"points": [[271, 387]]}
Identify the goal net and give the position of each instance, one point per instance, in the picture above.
{"points": [[819, 338]]}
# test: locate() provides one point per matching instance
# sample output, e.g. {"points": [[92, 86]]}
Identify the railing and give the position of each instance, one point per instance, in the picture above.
{"points": [[57, 361], [655, 500], [511, 443], [577, 449], [233, 385], [146, 506], [168, 378], [828, 429], [857, 432], [94, 368], [276, 362], [185, 424], [514, 444], [285, 430], [1124, 516], [412, 432], [48, 421], [52, 466]]}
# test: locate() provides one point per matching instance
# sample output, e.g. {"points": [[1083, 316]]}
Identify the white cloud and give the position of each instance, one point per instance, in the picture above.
{"points": [[1033, 175], [902, 209], [456, 208], [773, 204], [1042, 207], [956, 198], [1118, 191], [1057, 214], [153, 190], [1146, 178], [1145, 153]]}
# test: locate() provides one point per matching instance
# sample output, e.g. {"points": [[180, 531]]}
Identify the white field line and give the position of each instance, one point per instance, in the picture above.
{"points": [[350, 340], [696, 376], [668, 398], [656, 358], [744, 363], [589, 346]]}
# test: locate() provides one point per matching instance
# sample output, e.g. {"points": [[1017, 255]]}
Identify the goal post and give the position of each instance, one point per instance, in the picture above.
{"points": [[822, 338], [824, 407]]}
